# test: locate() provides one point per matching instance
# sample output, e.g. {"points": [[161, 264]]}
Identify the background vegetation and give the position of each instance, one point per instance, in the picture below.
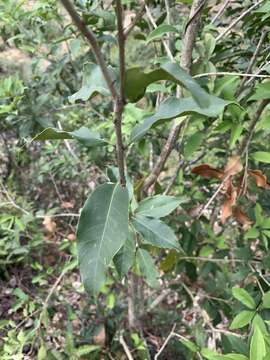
{"points": [[196, 153]]}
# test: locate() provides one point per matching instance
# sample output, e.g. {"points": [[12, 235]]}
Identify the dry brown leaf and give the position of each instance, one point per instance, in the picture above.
{"points": [[49, 224], [233, 166], [208, 171], [260, 178], [71, 237], [67, 205], [226, 209], [241, 217]]}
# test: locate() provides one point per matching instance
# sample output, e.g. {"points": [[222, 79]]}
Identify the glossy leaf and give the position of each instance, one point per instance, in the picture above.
{"points": [[148, 268], [93, 83], [159, 206], [102, 231], [243, 296], [257, 345], [125, 257], [174, 107], [155, 232], [242, 319], [83, 135], [160, 31]]}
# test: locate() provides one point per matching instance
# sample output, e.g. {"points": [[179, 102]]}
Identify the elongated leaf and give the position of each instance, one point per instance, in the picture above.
{"points": [[93, 82], [159, 206], [243, 296], [266, 300], [174, 107], [155, 232], [261, 156], [125, 257], [160, 31], [262, 91], [83, 135], [148, 268], [257, 345], [193, 143], [102, 231], [212, 355], [136, 82], [242, 319]]}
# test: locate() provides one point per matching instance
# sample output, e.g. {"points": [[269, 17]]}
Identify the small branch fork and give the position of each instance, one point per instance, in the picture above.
{"points": [[118, 98]]}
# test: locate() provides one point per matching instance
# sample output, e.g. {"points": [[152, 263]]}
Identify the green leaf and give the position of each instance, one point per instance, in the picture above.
{"points": [[42, 353], [102, 231], [136, 82], [243, 296], [236, 132], [160, 31], [124, 259], [93, 82], [86, 349], [155, 232], [257, 345], [212, 355], [83, 135], [252, 233], [265, 224], [189, 344], [262, 91], [159, 206], [174, 107], [193, 143], [261, 156], [148, 268], [266, 300], [242, 319]]}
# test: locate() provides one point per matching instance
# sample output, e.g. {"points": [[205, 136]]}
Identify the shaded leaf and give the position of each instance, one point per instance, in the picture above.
{"points": [[193, 143], [261, 156], [241, 217], [93, 82], [148, 268], [174, 107], [189, 344], [83, 135], [102, 230], [266, 300], [257, 345], [155, 232], [233, 166], [160, 31], [227, 207], [125, 257]]}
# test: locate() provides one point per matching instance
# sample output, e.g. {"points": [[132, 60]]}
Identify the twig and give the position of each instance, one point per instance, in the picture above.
{"points": [[120, 101], [11, 200], [216, 260], [236, 21], [90, 36], [224, 73], [67, 144], [220, 12], [138, 16], [247, 139], [171, 334], [252, 62], [260, 70], [125, 347], [159, 299], [150, 17], [189, 41]]}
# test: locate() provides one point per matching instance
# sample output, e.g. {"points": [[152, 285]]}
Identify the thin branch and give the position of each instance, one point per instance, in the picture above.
{"points": [[247, 138], [171, 334], [224, 73], [120, 101], [186, 60], [252, 61], [237, 20], [138, 16], [125, 347], [221, 11], [90, 36], [217, 260], [150, 17]]}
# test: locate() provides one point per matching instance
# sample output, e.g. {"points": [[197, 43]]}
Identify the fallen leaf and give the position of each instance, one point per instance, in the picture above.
{"points": [[233, 166], [208, 171], [49, 224], [260, 178], [241, 217]]}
